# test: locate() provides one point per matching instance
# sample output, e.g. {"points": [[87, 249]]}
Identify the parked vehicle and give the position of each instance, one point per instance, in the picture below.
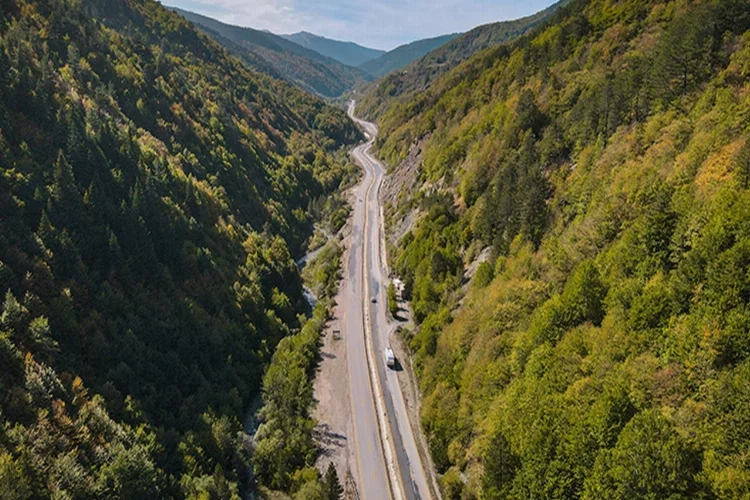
{"points": [[390, 358]]}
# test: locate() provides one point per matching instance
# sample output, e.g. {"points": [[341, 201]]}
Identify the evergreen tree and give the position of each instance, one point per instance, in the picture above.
{"points": [[332, 486], [529, 115], [500, 465], [683, 59]]}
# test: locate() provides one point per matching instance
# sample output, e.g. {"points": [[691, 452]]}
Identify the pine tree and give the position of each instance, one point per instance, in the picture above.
{"points": [[500, 465], [4, 71], [14, 315], [45, 231], [64, 190], [332, 487], [529, 115], [684, 55]]}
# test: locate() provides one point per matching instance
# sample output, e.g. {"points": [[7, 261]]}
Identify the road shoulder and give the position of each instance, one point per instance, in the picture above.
{"points": [[334, 433]]}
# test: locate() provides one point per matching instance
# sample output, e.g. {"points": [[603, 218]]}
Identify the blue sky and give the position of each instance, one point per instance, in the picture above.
{"points": [[382, 24]]}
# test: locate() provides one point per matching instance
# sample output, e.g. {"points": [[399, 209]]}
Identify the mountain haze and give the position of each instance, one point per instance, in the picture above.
{"points": [[348, 53], [304, 67], [402, 55]]}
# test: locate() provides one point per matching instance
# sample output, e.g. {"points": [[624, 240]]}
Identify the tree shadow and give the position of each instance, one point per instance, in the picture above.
{"points": [[398, 317], [328, 440]]}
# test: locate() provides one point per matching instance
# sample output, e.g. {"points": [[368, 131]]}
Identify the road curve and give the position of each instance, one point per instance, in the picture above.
{"points": [[368, 247]]}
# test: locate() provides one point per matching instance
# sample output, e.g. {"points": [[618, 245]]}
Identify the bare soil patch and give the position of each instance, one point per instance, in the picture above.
{"points": [[334, 433]]}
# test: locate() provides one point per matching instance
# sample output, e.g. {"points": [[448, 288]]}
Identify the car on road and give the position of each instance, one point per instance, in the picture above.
{"points": [[390, 358], [373, 300]]}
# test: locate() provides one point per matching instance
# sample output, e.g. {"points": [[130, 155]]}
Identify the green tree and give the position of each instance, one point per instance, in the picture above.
{"points": [[14, 483], [392, 301], [529, 115], [15, 315], [485, 274], [130, 474], [451, 483], [331, 485], [683, 57], [581, 301], [650, 461], [500, 465], [208, 487]]}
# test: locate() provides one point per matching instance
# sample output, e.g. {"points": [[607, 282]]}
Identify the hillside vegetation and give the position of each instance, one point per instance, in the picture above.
{"points": [[418, 75], [153, 192], [395, 59], [603, 349], [348, 53], [264, 51]]}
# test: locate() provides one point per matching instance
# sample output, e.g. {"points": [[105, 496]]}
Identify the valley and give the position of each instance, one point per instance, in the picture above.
{"points": [[507, 262]]}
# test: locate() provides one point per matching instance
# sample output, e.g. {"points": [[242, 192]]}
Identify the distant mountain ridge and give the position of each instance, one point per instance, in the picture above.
{"points": [[349, 53], [403, 55], [263, 50], [418, 75]]}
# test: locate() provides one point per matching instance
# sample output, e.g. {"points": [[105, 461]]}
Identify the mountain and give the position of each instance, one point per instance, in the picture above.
{"points": [[418, 75], [570, 213], [402, 55], [304, 67], [348, 53], [155, 193]]}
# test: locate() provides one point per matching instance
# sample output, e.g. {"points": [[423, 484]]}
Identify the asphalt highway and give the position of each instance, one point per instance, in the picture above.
{"points": [[387, 457]]}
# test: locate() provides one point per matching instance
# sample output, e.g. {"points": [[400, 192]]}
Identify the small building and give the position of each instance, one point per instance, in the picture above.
{"points": [[399, 287]]}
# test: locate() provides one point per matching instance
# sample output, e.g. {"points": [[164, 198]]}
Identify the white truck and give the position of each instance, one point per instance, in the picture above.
{"points": [[390, 358]]}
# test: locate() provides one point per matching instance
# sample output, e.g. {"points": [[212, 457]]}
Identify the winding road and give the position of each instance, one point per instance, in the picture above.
{"points": [[388, 461]]}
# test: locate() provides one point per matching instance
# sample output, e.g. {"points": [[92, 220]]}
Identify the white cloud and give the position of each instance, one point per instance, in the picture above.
{"points": [[377, 23]]}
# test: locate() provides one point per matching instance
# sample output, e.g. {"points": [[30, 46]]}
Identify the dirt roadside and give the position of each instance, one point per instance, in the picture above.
{"points": [[334, 433]]}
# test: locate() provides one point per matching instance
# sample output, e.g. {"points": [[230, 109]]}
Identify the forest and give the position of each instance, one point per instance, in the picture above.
{"points": [[600, 165], [155, 193]]}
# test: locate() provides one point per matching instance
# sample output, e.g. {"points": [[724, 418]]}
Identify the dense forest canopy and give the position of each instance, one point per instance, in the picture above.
{"points": [[153, 191], [602, 163]]}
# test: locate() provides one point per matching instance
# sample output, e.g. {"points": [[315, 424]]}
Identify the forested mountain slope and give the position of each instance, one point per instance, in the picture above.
{"points": [[348, 53], [153, 193], [603, 349], [419, 74], [302, 66], [395, 59]]}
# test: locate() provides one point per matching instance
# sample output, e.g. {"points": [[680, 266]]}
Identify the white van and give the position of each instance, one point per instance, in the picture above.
{"points": [[390, 358]]}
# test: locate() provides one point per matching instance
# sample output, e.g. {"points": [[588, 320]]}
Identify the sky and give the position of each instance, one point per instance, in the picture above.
{"points": [[380, 24]]}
